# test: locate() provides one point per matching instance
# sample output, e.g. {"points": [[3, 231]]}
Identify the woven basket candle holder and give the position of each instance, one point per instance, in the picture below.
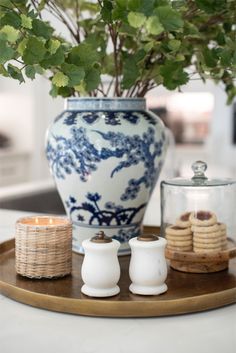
{"points": [[43, 247]]}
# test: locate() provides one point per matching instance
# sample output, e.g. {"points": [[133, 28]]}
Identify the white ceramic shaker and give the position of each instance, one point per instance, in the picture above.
{"points": [[100, 269], [148, 268]]}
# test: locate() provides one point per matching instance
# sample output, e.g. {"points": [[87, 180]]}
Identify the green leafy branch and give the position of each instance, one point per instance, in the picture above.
{"points": [[119, 47]]}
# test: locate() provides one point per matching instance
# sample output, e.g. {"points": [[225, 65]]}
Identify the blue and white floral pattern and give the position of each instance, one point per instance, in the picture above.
{"points": [[105, 164], [110, 118], [77, 154], [124, 235], [91, 211]]}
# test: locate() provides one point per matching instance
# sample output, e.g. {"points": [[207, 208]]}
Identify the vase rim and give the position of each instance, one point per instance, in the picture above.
{"points": [[105, 103]]}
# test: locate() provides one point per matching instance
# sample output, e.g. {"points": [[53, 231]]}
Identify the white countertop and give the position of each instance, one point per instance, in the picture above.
{"points": [[27, 329]]}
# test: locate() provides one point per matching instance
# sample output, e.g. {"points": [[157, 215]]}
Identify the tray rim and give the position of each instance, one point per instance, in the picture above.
{"points": [[118, 309]]}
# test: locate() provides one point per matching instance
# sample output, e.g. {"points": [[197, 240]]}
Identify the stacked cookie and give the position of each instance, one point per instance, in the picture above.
{"points": [[197, 231], [208, 234], [223, 232], [179, 236]]}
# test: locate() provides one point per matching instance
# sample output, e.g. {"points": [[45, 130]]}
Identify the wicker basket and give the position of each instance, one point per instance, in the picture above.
{"points": [[43, 247]]}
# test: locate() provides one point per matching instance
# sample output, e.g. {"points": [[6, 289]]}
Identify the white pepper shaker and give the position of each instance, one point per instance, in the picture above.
{"points": [[148, 267], [100, 269]]}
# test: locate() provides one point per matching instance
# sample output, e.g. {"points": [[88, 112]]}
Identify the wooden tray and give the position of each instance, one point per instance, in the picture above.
{"points": [[202, 263], [186, 292]]}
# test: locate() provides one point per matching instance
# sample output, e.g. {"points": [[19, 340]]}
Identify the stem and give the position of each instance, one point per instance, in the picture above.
{"points": [[113, 34], [55, 10], [109, 86], [36, 8]]}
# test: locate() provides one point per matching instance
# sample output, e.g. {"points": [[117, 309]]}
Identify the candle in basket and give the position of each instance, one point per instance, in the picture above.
{"points": [[43, 246]]}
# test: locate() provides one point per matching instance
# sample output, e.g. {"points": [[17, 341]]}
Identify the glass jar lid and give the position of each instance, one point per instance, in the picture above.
{"points": [[199, 178]]}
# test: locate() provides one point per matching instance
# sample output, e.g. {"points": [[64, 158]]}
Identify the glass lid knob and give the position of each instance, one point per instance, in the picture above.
{"points": [[199, 169]]}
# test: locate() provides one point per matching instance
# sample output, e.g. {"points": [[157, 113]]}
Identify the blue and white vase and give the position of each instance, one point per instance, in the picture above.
{"points": [[105, 156]]}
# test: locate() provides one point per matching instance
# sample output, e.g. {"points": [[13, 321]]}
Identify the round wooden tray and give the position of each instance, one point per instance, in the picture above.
{"points": [[186, 292]]}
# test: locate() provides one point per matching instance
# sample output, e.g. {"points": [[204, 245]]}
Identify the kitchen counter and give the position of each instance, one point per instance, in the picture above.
{"points": [[27, 329]]}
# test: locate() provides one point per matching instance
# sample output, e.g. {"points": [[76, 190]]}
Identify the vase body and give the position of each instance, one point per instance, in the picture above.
{"points": [[105, 156]]}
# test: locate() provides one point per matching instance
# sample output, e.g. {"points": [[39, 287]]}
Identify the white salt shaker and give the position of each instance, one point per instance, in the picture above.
{"points": [[148, 268], [100, 269]]}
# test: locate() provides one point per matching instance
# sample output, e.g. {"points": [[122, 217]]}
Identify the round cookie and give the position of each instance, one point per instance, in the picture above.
{"points": [[210, 229], [205, 251], [203, 218], [179, 237], [180, 249], [207, 246], [176, 230], [207, 235], [223, 236], [180, 243], [197, 239], [183, 221]]}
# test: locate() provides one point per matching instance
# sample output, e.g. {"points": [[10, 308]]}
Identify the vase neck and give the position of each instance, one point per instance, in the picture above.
{"points": [[86, 104]]}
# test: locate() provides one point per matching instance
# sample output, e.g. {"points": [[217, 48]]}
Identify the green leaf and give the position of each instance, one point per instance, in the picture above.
{"points": [[21, 47], [173, 75], [26, 22], [108, 65], [81, 89], [119, 13], [211, 6], [154, 26], [125, 28], [170, 19], [174, 44], [60, 80], [122, 3], [10, 33], [6, 52], [75, 74], [83, 55], [226, 57], [15, 73], [144, 6], [180, 57], [54, 91], [41, 29], [65, 92], [34, 51], [11, 19], [130, 73], [38, 69], [54, 44], [30, 72], [136, 19], [147, 47], [6, 3], [53, 60], [3, 71], [220, 38], [106, 11], [210, 57], [92, 79], [42, 5]]}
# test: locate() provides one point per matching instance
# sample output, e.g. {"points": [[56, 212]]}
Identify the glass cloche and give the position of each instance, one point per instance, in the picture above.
{"points": [[198, 214]]}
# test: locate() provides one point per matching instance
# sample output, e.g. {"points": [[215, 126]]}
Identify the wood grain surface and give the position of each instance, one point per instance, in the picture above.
{"points": [[186, 293]]}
